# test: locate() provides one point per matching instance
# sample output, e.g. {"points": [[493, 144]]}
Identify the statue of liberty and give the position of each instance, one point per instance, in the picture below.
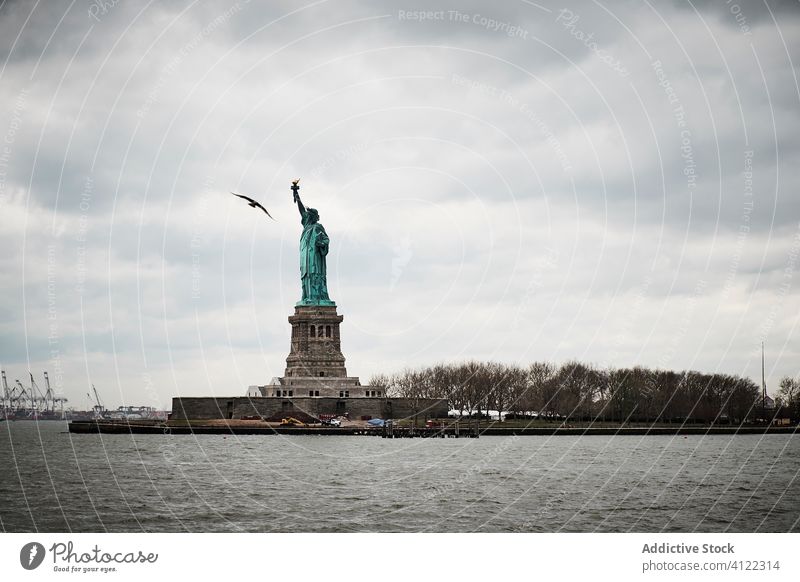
{"points": [[313, 249]]}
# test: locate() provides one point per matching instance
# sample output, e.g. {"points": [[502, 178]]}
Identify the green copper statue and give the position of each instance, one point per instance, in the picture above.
{"points": [[313, 250]]}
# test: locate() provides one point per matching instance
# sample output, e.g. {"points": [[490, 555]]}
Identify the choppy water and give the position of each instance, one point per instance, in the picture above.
{"points": [[54, 481]]}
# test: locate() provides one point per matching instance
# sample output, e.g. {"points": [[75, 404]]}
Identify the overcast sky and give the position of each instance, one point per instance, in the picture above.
{"points": [[514, 181]]}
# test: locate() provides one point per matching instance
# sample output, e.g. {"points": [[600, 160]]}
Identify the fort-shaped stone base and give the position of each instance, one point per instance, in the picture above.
{"points": [[315, 383], [207, 408]]}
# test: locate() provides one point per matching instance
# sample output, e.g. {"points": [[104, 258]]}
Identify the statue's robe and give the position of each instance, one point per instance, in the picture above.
{"points": [[313, 272]]}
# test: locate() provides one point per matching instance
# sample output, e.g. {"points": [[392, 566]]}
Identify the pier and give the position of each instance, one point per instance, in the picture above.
{"points": [[453, 430]]}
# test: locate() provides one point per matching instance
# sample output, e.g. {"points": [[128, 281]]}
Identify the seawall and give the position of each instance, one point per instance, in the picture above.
{"points": [[106, 427]]}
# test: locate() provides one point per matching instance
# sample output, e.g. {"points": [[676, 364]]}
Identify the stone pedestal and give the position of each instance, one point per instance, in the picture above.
{"points": [[316, 348], [315, 365]]}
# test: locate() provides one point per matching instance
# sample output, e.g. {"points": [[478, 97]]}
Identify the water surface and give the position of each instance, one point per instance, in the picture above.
{"points": [[55, 481]]}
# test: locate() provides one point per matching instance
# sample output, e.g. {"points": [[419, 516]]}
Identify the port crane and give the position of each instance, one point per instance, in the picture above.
{"points": [[37, 398], [98, 408], [21, 396], [54, 400], [7, 396], [14, 398], [21, 401]]}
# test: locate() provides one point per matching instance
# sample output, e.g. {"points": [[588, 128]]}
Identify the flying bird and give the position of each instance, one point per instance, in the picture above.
{"points": [[253, 203]]}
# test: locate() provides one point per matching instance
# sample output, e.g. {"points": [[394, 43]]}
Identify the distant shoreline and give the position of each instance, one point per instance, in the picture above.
{"points": [[92, 427]]}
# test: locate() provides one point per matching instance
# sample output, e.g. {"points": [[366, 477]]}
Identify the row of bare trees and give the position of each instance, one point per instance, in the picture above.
{"points": [[577, 391]]}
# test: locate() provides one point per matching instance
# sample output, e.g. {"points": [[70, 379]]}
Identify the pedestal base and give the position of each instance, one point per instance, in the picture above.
{"points": [[316, 344]]}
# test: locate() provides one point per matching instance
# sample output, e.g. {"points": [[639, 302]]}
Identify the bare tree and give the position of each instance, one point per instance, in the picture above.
{"points": [[380, 381], [507, 383], [517, 387], [474, 384], [622, 394], [741, 400], [575, 397], [542, 390], [789, 396]]}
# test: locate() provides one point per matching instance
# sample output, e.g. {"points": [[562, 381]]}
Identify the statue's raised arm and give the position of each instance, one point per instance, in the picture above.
{"points": [[296, 196]]}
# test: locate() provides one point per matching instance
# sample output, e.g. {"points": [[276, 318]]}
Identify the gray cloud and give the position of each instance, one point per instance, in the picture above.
{"points": [[516, 182]]}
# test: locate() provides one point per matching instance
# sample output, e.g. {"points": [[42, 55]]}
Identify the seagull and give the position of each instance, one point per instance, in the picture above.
{"points": [[253, 203]]}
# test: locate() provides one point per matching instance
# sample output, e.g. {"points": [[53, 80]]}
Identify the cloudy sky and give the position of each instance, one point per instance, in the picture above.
{"points": [[518, 181]]}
